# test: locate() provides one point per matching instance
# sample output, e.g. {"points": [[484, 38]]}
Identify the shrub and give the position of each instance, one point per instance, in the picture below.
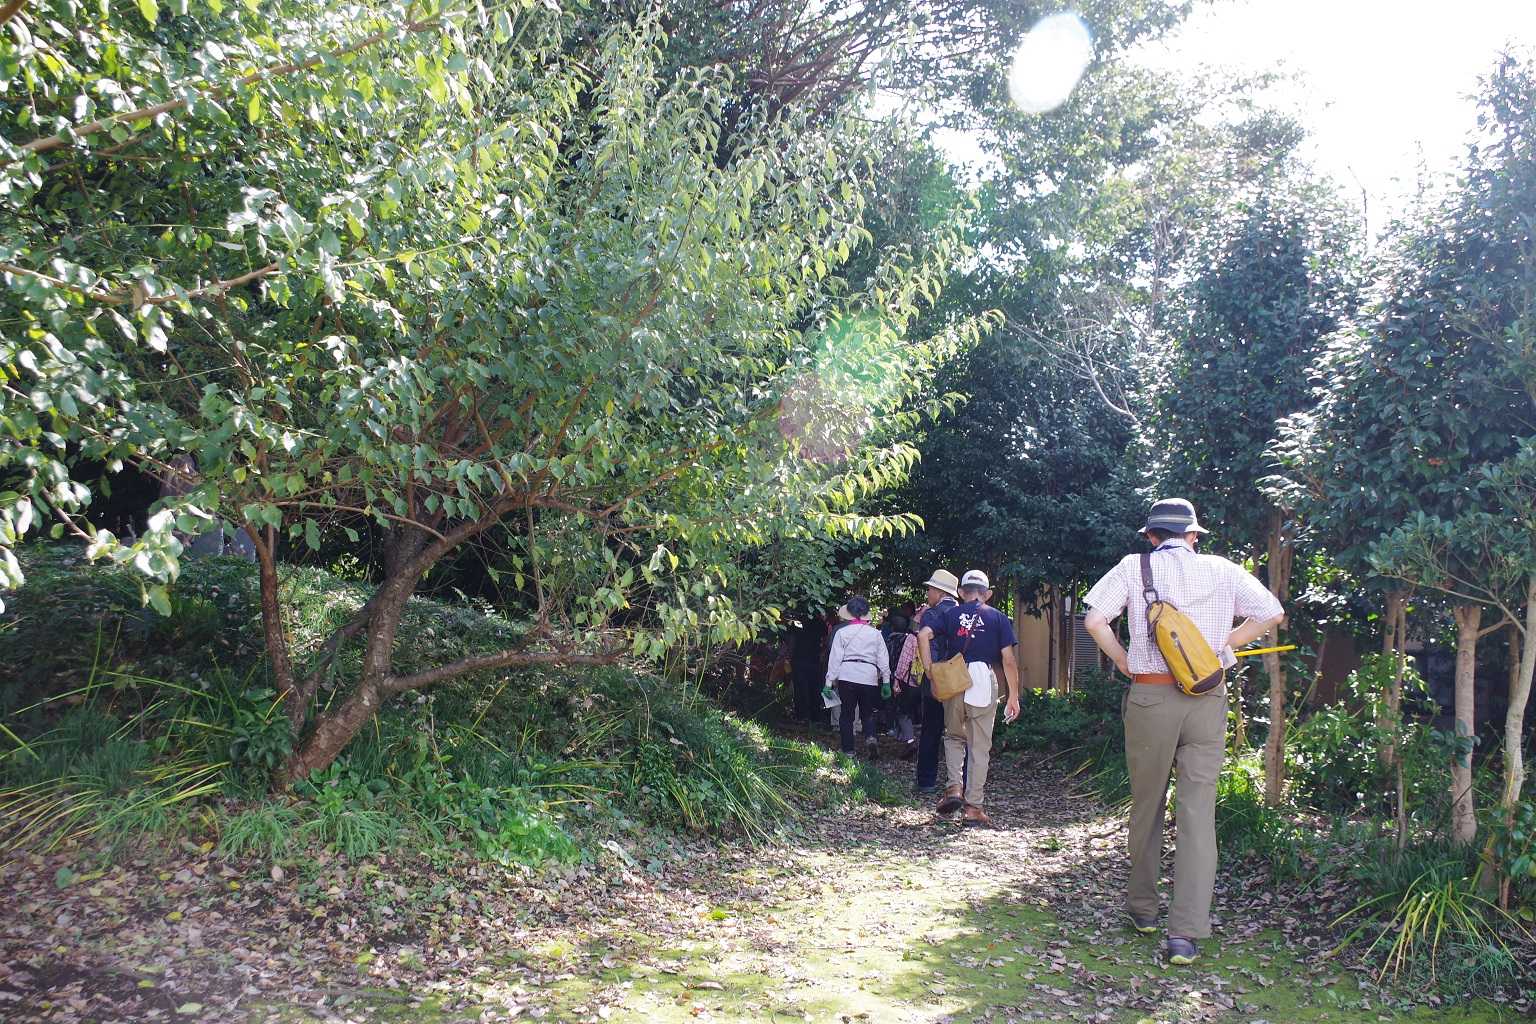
{"points": [[345, 814], [1513, 844], [266, 830], [1334, 753], [1247, 826], [491, 762], [1053, 722], [1427, 920], [260, 736]]}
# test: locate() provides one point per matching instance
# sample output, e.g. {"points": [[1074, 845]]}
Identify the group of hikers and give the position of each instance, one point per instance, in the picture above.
{"points": [[1174, 714]]}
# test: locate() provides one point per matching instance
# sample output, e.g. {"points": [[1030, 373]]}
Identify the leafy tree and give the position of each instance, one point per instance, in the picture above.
{"points": [[1279, 276], [1416, 410], [1481, 550], [455, 274], [1024, 479]]}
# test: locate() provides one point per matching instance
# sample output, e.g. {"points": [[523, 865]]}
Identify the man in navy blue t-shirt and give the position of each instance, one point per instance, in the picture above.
{"points": [[985, 637]]}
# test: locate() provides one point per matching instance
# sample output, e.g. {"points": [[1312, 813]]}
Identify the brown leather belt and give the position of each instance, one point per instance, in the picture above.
{"points": [[1153, 678]]}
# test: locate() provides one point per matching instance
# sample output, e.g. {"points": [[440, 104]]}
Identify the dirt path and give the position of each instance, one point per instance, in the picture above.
{"points": [[898, 917], [884, 915]]}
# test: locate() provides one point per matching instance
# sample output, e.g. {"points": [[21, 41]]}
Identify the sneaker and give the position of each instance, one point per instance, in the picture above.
{"points": [[1144, 925], [1182, 951], [909, 750], [952, 800], [976, 816]]}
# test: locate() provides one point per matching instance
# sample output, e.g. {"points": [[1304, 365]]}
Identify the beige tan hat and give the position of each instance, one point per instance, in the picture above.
{"points": [[943, 579]]}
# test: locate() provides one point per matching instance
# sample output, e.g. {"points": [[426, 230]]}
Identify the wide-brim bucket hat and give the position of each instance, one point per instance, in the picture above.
{"points": [[1175, 515], [943, 579]]}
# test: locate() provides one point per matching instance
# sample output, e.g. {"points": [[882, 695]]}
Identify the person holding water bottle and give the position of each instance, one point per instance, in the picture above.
{"points": [[860, 667]]}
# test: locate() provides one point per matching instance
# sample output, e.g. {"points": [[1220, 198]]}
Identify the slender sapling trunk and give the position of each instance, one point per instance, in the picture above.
{"points": [[1279, 572], [1463, 812]]}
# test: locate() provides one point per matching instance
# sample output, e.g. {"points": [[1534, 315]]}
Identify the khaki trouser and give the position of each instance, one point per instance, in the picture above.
{"points": [[968, 728], [1164, 727]]}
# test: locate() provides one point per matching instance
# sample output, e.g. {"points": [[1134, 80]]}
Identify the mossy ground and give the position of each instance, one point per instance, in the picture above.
{"points": [[893, 917]]}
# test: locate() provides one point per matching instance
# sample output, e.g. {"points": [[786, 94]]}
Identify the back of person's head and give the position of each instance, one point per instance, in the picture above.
{"points": [[858, 605], [1162, 536], [898, 622], [974, 585]]}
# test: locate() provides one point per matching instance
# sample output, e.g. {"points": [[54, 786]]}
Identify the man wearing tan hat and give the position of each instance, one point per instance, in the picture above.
{"points": [[1163, 726], [943, 589], [984, 637]]}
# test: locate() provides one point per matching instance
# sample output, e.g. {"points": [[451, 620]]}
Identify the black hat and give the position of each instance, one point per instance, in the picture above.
{"points": [[1174, 515]]}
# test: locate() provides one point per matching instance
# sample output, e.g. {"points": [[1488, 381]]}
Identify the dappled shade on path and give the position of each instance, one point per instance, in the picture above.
{"points": [[878, 915]]}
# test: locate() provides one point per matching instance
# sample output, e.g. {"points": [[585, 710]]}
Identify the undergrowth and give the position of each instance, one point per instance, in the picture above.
{"points": [[1419, 913], [147, 729]]}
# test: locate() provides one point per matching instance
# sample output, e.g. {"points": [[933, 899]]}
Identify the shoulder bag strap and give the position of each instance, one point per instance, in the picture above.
{"points": [[1148, 588], [968, 638]]}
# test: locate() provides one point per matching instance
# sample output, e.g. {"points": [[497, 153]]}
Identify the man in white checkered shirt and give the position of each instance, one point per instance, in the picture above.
{"points": [[1163, 725]]}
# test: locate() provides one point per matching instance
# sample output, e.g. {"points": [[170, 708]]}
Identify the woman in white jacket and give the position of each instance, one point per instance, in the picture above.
{"points": [[859, 666]]}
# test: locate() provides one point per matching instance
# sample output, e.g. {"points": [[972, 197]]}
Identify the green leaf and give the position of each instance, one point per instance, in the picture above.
{"points": [[150, 9], [159, 599], [253, 108]]}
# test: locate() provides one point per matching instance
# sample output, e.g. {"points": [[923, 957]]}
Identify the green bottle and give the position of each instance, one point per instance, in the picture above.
{"points": [[885, 691]]}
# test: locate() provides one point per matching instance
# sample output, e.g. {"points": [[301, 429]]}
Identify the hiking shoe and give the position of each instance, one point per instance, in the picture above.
{"points": [[909, 750], [1182, 951], [976, 816], [1144, 925], [952, 800]]}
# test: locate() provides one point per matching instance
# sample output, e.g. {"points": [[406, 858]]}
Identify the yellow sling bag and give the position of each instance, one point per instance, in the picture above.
{"points": [[1195, 667]]}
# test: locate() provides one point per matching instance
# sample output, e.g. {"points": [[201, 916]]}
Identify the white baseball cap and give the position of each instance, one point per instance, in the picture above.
{"points": [[975, 578]]}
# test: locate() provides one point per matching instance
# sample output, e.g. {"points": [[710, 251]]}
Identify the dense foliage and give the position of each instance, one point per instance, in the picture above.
{"points": [[449, 282]]}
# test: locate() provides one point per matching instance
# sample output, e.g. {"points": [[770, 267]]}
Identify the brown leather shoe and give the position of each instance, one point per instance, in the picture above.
{"points": [[976, 816], [952, 800]]}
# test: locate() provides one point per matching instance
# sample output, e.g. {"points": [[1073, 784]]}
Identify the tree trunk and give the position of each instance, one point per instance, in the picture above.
{"points": [[1018, 649], [1463, 814], [295, 700], [335, 728], [1519, 696], [1066, 646], [1392, 639], [332, 732], [1488, 874], [408, 554], [1279, 572], [1052, 637], [1399, 633]]}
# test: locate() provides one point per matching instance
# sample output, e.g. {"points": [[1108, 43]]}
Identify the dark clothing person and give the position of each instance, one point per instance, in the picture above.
{"points": [[930, 739], [930, 714], [984, 636], [982, 632], [864, 700], [805, 644]]}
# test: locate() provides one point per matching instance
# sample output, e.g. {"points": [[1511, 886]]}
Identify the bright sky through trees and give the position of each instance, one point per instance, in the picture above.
{"points": [[1049, 62], [1381, 81]]}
